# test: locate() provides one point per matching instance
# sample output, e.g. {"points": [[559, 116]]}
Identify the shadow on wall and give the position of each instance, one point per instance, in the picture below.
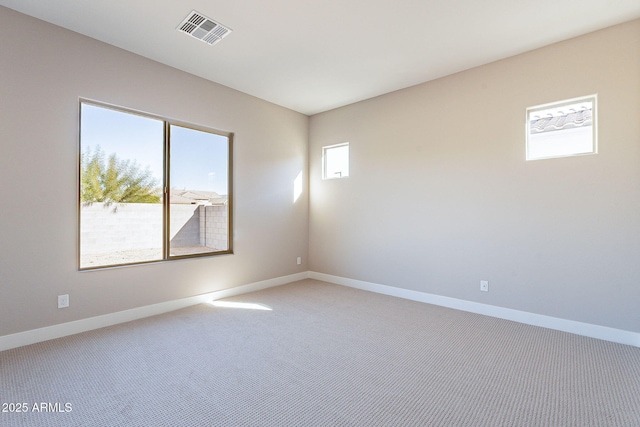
{"points": [[207, 227]]}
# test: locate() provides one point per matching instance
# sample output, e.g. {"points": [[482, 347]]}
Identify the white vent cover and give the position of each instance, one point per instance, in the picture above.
{"points": [[199, 26]]}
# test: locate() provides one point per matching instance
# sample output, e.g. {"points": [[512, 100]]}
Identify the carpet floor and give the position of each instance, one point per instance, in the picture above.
{"points": [[317, 354]]}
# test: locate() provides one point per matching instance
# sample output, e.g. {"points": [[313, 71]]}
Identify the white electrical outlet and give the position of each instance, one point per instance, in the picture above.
{"points": [[484, 285], [63, 301], [299, 260]]}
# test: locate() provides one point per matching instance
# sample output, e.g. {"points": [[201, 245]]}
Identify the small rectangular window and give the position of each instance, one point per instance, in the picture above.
{"points": [[561, 129], [151, 189], [335, 161]]}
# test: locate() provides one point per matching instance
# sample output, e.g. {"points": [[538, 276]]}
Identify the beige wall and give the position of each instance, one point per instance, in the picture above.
{"points": [[440, 195], [43, 72]]}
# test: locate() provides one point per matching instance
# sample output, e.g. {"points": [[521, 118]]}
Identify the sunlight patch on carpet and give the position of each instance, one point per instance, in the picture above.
{"points": [[245, 305]]}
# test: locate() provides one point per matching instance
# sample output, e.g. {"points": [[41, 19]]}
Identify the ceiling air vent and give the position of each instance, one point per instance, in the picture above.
{"points": [[203, 28]]}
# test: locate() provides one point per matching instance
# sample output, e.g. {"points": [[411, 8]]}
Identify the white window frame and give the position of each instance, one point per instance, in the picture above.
{"points": [[565, 147], [327, 168]]}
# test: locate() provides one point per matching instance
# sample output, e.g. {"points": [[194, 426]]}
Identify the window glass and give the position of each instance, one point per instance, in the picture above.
{"points": [[127, 160], [565, 128], [335, 161], [199, 193]]}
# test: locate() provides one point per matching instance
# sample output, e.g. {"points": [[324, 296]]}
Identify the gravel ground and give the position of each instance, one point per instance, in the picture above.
{"points": [[136, 255]]}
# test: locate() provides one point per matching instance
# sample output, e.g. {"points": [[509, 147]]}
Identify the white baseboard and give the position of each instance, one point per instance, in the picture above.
{"points": [[571, 326], [56, 331]]}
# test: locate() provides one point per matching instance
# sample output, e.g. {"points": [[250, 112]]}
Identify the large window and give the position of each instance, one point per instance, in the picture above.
{"points": [[560, 129], [151, 189]]}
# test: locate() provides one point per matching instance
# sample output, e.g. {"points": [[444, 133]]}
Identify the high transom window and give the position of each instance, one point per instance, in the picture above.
{"points": [[335, 161], [561, 129]]}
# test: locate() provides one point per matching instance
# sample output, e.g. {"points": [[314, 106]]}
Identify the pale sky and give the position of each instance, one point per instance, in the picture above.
{"points": [[198, 159]]}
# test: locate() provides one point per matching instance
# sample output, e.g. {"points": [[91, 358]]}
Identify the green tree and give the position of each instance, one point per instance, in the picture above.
{"points": [[114, 180]]}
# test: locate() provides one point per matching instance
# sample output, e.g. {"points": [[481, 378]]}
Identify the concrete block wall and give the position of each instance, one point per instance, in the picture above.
{"points": [[120, 227], [185, 225], [214, 226], [130, 226]]}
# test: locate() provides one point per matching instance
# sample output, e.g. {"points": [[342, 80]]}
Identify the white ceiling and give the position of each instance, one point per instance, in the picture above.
{"points": [[312, 56]]}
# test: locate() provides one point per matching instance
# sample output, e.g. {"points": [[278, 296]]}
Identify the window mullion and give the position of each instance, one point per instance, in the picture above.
{"points": [[167, 183]]}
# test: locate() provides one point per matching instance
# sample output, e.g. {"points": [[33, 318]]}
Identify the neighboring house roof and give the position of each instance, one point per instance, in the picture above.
{"points": [[572, 119], [196, 197]]}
